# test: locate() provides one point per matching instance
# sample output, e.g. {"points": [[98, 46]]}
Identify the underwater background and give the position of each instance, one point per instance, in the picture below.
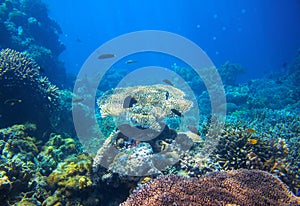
{"points": [[81, 124]]}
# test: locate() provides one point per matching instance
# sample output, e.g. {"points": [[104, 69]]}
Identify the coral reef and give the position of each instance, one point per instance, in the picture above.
{"points": [[126, 156], [70, 181], [241, 147], [151, 104], [56, 149], [240, 187], [22, 87], [17, 162], [25, 26], [32, 174], [229, 72], [268, 93]]}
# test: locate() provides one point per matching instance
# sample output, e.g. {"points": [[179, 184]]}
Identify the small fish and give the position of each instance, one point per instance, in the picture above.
{"points": [[168, 82], [193, 129], [146, 180], [106, 56], [129, 101], [130, 61], [284, 65], [252, 141], [78, 40], [163, 145], [250, 131], [79, 100], [175, 111], [167, 95], [12, 102]]}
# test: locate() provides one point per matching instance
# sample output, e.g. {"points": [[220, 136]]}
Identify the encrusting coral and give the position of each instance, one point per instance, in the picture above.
{"points": [[148, 105], [238, 187]]}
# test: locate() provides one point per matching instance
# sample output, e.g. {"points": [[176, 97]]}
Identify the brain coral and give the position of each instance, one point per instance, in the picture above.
{"points": [[239, 187], [153, 104]]}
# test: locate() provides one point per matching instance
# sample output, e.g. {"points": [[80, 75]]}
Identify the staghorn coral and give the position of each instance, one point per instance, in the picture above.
{"points": [[151, 106], [24, 91], [240, 187]]}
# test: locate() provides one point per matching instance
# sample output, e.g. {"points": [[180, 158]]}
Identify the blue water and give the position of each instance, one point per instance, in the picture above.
{"points": [[263, 36]]}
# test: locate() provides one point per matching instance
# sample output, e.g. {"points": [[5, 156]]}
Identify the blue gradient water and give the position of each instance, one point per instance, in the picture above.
{"points": [[261, 35]]}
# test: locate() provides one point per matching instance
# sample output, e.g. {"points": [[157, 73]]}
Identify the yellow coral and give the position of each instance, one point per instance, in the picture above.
{"points": [[72, 175]]}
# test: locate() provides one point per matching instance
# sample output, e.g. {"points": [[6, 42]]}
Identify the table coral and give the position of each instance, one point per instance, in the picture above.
{"points": [[239, 187], [151, 105]]}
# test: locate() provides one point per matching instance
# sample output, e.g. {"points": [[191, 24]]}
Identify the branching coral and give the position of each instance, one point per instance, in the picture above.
{"points": [[25, 90], [151, 105], [240, 147], [240, 187], [25, 26]]}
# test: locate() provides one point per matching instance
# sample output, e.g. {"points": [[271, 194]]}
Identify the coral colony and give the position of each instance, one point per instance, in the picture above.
{"points": [[144, 158]]}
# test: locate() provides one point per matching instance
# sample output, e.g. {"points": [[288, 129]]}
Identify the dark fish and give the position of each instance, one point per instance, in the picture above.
{"points": [[175, 111], [129, 101], [284, 65], [12, 102], [78, 40], [130, 61], [79, 100], [193, 129], [106, 56], [167, 95], [168, 82]]}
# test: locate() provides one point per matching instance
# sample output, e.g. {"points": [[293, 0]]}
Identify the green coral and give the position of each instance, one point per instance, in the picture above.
{"points": [[17, 161], [71, 176], [56, 149]]}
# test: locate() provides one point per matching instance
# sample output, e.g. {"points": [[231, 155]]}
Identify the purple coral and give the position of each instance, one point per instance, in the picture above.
{"points": [[238, 187]]}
